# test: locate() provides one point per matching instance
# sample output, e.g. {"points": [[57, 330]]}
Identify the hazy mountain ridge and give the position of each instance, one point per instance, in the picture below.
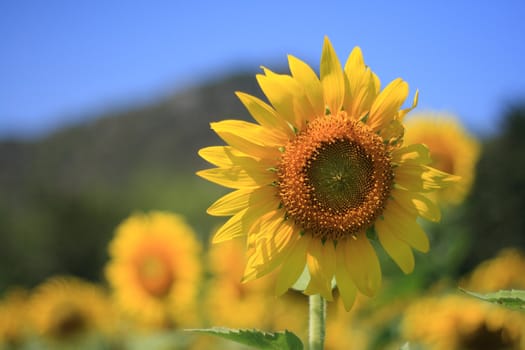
{"points": [[163, 135]]}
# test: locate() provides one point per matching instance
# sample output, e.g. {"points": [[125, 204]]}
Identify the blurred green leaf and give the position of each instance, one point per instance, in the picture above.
{"points": [[514, 299], [405, 346], [253, 337]]}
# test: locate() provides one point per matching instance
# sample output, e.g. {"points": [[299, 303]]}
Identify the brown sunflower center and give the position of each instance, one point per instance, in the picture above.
{"points": [[339, 174], [68, 321], [155, 275], [485, 337], [335, 177]]}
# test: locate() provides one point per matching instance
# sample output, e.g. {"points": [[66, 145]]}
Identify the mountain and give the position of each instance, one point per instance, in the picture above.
{"points": [[63, 195]]}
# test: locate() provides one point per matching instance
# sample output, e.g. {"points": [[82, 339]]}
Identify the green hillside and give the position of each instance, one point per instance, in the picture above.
{"points": [[63, 195]]}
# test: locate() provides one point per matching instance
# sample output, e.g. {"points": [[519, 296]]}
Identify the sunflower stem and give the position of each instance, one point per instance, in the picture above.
{"points": [[317, 322]]}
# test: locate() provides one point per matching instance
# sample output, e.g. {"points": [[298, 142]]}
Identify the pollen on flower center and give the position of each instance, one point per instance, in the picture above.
{"points": [[339, 173], [335, 177]]}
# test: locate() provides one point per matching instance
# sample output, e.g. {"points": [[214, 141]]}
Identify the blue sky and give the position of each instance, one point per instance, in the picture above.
{"points": [[62, 61]]}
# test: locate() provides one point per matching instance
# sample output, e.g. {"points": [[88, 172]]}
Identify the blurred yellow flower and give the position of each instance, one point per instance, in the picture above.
{"points": [[463, 323], [324, 165], [62, 308], [229, 302], [452, 148], [155, 270], [505, 271], [14, 320], [343, 330]]}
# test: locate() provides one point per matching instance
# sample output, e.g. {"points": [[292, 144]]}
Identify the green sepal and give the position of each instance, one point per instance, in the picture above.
{"points": [[371, 234]]}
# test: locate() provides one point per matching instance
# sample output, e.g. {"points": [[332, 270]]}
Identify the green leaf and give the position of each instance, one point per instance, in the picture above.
{"points": [[514, 299], [253, 337]]}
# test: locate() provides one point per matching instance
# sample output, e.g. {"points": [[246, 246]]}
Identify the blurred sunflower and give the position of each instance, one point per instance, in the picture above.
{"points": [[14, 320], [155, 270], [66, 307], [452, 149], [505, 271], [344, 330], [462, 323], [226, 292], [324, 166]]}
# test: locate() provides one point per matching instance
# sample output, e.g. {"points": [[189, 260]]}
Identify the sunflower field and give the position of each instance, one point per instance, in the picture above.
{"points": [[334, 214]]}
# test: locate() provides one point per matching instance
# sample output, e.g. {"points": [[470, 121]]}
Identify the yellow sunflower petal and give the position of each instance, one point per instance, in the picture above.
{"points": [[321, 265], [392, 132], [347, 288], [398, 250], [221, 156], [233, 228], [240, 199], [362, 263], [387, 104], [417, 203], [292, 266], [279, 97], [402, 113], [406, 227], [355, 61], [268, 249], [332, 78], [416, 153], [255, 215], [231, 203], [309, 80], [250, 138], [361, 90], [264, 114], [422, 178], [243, 221], [377, 82], [302, 109], [238, 177]]}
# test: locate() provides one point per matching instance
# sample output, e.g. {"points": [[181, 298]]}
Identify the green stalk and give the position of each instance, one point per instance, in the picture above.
{"points": [[317, 322]]}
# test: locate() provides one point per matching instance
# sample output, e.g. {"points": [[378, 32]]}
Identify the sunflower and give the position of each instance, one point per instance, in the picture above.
{"points": [[13, 317], [323, 167], [154, 269], [65, 307], [462, 323], [225, 291], [505, 271], [452, 148]]}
